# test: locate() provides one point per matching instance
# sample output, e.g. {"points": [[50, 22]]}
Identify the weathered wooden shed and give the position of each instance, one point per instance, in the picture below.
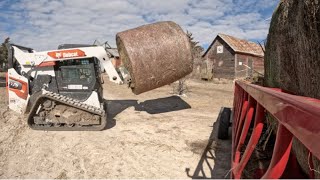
{"points": [[232, 58]]}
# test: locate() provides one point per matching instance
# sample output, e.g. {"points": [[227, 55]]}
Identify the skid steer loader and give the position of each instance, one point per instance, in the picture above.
{"points": [[60, 89]]}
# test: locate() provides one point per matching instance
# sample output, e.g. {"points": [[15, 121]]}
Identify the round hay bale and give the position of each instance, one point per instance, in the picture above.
{"points": [[292, 57], [155, 55]]}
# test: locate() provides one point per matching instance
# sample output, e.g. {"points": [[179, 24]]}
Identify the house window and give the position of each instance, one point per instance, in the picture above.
{"points": [[219, 49]]}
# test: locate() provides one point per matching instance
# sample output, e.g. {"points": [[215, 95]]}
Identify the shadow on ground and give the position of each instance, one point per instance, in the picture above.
{"points": [[153, 106], [215, 161]]}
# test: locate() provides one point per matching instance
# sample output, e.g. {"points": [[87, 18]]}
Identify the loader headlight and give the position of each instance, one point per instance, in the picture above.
{"points": [[15, 85]]}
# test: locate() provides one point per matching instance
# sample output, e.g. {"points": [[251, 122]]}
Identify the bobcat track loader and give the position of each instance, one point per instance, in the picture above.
{"points": [[60, 89]]}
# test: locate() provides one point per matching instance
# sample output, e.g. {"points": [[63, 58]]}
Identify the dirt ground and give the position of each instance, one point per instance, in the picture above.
{"points": [[152, 135]]}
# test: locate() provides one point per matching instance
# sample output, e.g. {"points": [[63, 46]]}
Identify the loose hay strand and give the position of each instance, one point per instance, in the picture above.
{"points": [[310, 168]]}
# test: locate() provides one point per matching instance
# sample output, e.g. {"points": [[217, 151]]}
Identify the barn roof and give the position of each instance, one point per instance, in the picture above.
{"points": [[239, 45]]}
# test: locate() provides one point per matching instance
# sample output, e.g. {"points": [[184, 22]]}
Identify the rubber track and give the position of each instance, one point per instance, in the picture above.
{"points": [[69, 102]]}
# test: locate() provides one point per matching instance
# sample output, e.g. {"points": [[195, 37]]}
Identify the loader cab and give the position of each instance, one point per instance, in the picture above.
{"points": [[77, 78]]}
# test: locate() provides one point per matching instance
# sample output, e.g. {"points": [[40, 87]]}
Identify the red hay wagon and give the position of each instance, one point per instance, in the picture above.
{"points": [[297, 117]]}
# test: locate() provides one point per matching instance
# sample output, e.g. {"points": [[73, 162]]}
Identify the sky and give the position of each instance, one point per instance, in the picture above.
{"points": [[44, 24]]}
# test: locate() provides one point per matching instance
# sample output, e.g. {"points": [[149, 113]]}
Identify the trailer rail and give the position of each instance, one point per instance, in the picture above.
{"points": [[297, 117]]}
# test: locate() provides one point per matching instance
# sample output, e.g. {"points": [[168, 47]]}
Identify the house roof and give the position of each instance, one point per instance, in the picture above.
{"points": [[239, 45]]}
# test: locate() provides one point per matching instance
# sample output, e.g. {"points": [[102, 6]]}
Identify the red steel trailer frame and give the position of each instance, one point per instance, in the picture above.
{"points": [[297, 117]]}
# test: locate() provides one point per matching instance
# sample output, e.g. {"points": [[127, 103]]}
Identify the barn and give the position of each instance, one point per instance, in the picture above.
{"points": [[231, 58]]}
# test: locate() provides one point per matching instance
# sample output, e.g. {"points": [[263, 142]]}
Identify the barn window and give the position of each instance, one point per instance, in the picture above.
{"points": [[219, 49]]}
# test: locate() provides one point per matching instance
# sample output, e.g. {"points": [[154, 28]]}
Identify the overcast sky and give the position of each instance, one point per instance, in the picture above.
{"points": [[44, 24]]}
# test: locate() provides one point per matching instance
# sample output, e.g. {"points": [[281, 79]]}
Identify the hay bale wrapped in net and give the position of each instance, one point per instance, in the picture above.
{"points": [[155, 55], [292, 57]]}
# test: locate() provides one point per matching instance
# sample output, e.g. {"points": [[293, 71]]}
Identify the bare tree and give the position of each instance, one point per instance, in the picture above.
{"points": [[196, 49]]}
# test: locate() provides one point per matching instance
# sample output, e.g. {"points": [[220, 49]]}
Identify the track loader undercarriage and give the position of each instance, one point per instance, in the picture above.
{"points": [[52, 111]]}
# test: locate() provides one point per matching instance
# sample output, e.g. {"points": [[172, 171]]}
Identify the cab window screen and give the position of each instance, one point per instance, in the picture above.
{"points": [[76, 75]]}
